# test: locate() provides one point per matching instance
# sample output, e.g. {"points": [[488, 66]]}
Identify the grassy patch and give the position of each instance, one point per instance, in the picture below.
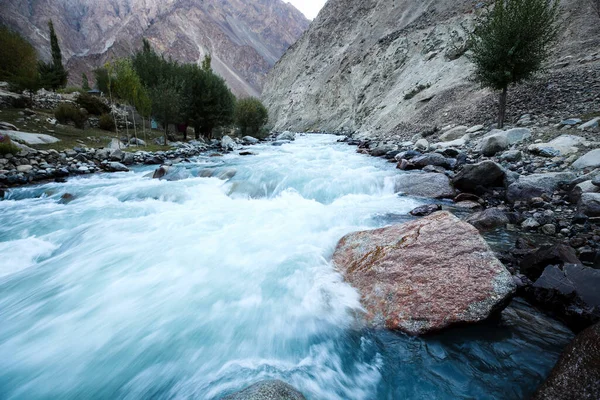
{"points": [[69, 135]]}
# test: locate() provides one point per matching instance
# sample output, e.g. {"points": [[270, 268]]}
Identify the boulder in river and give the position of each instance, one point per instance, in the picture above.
{"points": [[424, 275], [267, 390], [534, 263], [287, 135], [576, 375], [431, 185]]}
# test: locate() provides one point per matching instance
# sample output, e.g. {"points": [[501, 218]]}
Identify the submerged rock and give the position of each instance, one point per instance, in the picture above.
{"points": [[424, 275], [577, 373], [426, 210], [267, 390]]}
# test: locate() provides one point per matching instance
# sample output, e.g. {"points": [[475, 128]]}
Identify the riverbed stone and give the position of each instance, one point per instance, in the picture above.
{"points": [[228, 144], [588, 160], [534, 263], [267, 390], [488, 219], [536, 185], [453, 134], [576, 375], [589, 204], [492, 144], [430, 184], [425, 275], [477, 178], [287, 135]]}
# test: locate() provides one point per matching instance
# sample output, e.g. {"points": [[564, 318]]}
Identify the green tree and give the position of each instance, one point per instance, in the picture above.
{"points": [[101, 79], [85, 83], [53, 75], [127, 86], [207, 63], [250, 115], [19, 61], [512, 42], [166, 102]]}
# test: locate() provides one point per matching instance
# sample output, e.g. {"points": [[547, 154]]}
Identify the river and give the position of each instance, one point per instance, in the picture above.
{"points": [[195, 288]]}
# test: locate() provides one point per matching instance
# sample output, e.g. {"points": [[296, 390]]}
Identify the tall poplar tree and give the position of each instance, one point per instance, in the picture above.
{"points": [[53, 75]]}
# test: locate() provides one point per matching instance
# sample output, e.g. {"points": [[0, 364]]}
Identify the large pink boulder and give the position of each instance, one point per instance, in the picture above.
{"points": [[424, 275]]}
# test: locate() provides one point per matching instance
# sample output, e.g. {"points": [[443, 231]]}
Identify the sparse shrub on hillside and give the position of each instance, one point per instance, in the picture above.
{"points": [[250, 115], [7, 146], [512, 42], [92, 104], [106, 123], [66, 113], [415, 91]]}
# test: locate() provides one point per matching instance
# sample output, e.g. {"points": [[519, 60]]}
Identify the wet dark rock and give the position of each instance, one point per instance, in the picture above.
{"points": [[489, 219], [153, 160], [434, 159], [478, 178], [534, 263], [468, 197], [577, 372], [160, 172], [425, 210], [267, 390], [66, 198]]}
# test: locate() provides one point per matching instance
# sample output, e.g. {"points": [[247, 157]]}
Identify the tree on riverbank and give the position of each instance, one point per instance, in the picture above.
{"points": [[250, 115], [19, 61], [185, 93], [512, 42], [53, 74]]}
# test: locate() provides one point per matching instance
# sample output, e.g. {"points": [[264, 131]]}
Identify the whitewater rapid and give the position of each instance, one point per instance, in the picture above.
{"points": [[195, 288]]}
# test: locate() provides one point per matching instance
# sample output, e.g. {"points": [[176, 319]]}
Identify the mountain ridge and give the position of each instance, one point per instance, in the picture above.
{"points": [[244, 37]]}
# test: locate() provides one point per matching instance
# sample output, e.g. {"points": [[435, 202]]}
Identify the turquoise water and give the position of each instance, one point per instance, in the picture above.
{"points": [[195, 288]]}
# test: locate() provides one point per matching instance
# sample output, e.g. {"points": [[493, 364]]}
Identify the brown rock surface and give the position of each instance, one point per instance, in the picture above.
{"points": [[424, 275]]}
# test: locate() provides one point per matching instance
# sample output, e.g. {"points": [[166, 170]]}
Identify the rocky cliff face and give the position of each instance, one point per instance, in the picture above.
{"points": [[244, 37], [381, 66]]}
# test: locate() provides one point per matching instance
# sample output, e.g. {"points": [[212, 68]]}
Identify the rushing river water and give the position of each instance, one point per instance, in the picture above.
{"points": [[140, 288]]}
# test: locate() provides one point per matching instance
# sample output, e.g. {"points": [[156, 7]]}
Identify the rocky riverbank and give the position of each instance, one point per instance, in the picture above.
{"points": [[538, 181]]}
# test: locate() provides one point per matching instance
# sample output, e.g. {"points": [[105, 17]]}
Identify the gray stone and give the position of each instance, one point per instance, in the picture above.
{"points": [[128, 158], [492, 144], [422, 145], [453, 134], [30, 138], [116, 167], [549, 229], [431, 185], [562, 145], [580, 189], [594, 123], [267, 390], [249, 140], [528, 187], [287, 135], [511, 156], [114, 144], [137, 142], [24, 168], [589, 204], [475, 128], [434, 159], [589, 160], [530, 223], [571, 121], [488, 219], [116, 155], [228, 144]]}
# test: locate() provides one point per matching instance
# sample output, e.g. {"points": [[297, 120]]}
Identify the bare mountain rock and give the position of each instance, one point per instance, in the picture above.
{"points": [[381, 66], [244, 37]]}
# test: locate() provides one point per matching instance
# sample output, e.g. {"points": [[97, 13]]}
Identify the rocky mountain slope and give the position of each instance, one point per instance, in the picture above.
{"points": [[245, 37], [380, 66]]}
